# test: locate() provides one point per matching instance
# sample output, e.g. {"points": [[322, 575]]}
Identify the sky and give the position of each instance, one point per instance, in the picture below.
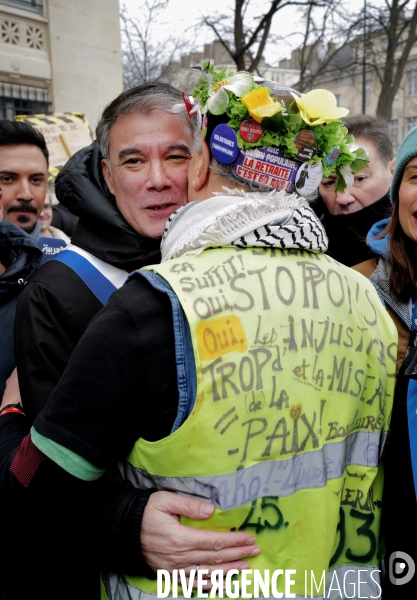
{"points": [[182, 15]]}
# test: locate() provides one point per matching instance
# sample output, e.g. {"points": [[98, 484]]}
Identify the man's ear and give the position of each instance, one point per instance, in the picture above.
{"points": [[107, 175], [200, 168]]}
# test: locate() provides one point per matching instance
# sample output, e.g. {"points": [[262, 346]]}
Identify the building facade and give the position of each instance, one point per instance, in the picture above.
{"points": [[59, 56], [178, 73]]}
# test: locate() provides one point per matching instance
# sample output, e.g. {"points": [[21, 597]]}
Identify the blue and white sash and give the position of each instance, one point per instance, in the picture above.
{"points": [[101, 278]]}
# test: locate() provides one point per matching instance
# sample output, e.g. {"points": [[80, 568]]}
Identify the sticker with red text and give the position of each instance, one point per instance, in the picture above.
{"points": [[267, 166]]}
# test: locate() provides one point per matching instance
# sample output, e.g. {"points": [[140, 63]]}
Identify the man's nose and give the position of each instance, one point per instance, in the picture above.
{"points": [[25, 192], [345, 198], [157, 176]]}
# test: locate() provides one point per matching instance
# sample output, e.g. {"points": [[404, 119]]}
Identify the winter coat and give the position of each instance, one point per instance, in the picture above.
{"points": [[20, 255], [347, 233], [399, 498]]}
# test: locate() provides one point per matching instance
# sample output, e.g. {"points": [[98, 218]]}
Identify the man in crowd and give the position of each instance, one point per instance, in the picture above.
{"points": [[347, 217], [123, 188], [199, 374], [23, 183], [115, 233], [19, 258], [23, 174]]}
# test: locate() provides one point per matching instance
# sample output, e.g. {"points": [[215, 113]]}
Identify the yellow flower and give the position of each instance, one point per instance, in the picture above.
{"points": [[260, 104], [319, 106]]}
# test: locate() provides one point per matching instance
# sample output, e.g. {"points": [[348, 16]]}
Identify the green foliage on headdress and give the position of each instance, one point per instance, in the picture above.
{"points": [[282, 128]]}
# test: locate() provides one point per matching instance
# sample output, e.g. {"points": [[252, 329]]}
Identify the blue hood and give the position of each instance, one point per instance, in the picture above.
{"points": [[379, 246], [20, 255]]}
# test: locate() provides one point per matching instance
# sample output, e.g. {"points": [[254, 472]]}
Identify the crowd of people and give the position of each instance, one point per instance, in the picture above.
{"points": [[215, 369]]}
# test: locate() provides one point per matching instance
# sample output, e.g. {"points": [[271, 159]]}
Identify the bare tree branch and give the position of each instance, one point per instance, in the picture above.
{"points": [[144, 54]]}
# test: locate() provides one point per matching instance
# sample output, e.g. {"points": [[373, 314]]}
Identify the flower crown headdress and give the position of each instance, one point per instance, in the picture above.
{"points": [[273, 134]]}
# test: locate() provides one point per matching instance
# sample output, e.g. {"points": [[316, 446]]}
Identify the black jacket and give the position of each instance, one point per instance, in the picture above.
{"points": [[56, 306], [347, 233], [20, 255], [399, 498]]}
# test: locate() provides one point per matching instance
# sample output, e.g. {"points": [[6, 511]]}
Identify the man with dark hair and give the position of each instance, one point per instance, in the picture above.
{"points": [[23, 184], [347, 217], [23, 174], [115, 234]]}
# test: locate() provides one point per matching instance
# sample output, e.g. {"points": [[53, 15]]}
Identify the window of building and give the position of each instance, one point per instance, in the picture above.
{"points": [[369, 50], [337, 96], [22, 100], [412, 82], [367, 92], [35, 5], [411, 122], [384, 44], [393, 130]]}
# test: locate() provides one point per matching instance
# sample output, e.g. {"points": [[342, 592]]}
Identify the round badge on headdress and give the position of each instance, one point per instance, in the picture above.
{"points": [[308, 178], [306, 144], [251, 131], [223, 144], [331, 157]]}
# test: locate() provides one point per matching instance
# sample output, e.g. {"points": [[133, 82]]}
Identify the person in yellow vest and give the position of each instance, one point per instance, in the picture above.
{"points": [[278, 363]]}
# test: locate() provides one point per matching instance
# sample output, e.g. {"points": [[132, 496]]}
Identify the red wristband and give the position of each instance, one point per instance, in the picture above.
{"points": [[11, 409]]}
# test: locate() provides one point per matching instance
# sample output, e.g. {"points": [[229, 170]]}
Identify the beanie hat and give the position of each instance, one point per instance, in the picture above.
{"points": [[272, 135], [406, 152]]}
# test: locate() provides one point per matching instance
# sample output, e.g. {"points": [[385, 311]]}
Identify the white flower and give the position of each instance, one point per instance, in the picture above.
{"points": [[347, 174], [239, 84]]}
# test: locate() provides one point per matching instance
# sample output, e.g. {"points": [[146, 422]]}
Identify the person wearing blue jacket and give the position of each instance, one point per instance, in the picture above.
{"points": [[19, 258], [394, 274]]}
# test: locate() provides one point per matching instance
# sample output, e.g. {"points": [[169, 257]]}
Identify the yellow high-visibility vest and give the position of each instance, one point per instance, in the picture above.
{"points": [[295, 366]]}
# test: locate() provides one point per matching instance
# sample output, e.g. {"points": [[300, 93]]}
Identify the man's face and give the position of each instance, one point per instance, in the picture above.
{"points": [[45, 218], [23, 183], [147, 169], [369, 186]]}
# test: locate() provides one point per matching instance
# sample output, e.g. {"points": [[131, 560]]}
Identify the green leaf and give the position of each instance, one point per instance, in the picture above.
{"points": [[292, 119], [274, 123], [340, 185]]}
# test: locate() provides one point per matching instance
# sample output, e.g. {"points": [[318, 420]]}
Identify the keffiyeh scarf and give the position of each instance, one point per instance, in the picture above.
{"points": [[266, 219]]}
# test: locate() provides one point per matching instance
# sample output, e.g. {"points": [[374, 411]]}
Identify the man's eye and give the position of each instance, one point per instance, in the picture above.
{"points": [[328, 184], [6, 178], [360, 179], [178, 157]]}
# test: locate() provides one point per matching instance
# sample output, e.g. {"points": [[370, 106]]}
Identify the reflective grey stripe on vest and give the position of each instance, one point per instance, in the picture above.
{"points": [[343, 578], [272, 478]]}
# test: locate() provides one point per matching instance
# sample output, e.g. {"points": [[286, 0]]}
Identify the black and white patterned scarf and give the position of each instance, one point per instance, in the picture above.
{"points": [[267, 219]]}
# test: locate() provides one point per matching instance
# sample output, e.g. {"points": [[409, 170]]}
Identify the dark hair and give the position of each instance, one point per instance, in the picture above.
{"points": [[373, 129], [14, 133], [402, 278], [142, 99]]}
